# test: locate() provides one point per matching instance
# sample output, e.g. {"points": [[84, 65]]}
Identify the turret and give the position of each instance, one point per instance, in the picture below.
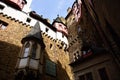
{"points": [[29, 62], [62, 31], [61, 26]]}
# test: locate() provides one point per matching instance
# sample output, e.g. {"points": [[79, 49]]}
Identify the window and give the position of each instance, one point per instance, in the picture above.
{"points": [[50, 46], [24, 55], [50, 68], [77, 55], [62, 35], [60, 25], [87, 53], [34, 47], [84, 52], [24, 2], [28, 20], [74, 57], [3, 25], [2, 7], [87, 76], [103, 74], [26, 50], [46, 29], [79, 29]]}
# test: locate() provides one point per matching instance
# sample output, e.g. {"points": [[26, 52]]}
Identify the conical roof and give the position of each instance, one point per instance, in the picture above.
{"points": [[35, 34], [60, 20]]}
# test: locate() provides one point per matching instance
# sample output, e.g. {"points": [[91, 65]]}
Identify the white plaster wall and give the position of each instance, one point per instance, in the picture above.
{"points": [[18, 15], [27, 6], [21, 16], [50, 31], [59, 37]]}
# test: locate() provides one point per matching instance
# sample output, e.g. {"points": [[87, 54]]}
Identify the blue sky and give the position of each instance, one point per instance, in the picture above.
{"points": [[51, 8]]}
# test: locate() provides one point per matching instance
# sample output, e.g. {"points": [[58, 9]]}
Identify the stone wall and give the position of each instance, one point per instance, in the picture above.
{"points": [[60, 57], [10, 44]]}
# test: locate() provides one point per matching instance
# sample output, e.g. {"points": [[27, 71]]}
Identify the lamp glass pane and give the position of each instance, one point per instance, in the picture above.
{"points": [[34, 64], [23, 63], [26, 52]]}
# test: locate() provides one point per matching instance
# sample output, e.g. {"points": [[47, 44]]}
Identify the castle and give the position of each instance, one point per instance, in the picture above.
{"points": [[71, 48], [52, 59]]}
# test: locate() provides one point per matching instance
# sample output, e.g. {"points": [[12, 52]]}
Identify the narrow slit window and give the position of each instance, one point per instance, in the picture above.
{"points": [[62, 35], [51, 46], [46, 29]]}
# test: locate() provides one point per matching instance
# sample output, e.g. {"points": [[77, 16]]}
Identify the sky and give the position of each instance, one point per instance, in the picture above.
{"points": [[51, 8]]}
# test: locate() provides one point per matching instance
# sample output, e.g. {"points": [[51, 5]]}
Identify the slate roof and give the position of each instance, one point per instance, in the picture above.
{"points": [[60, 20], [35, 35]]}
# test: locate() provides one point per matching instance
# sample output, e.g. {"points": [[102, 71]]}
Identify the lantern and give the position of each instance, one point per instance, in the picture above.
{"points": [[28, 66]]}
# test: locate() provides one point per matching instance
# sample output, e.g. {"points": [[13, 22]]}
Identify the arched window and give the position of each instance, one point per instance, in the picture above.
{"points": [[24, 55], [35, 56], [26, 49]]}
